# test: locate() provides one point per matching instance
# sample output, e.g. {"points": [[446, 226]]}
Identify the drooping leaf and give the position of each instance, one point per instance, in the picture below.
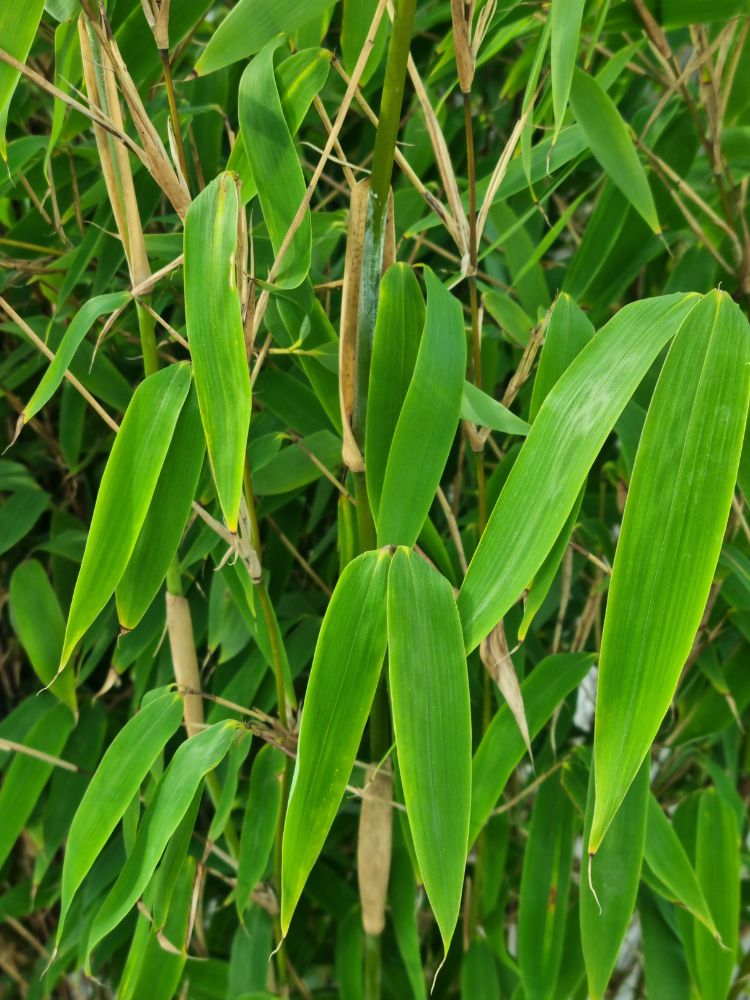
{"points": [[17, 30], [427, 423], [545, 882], [432, 725], [117, 779], [259, 822], [675, 515], [568, 331], [125, 494], [39, 624], [398, 330], [482, 409], [502, 745], [615, 873], [610, 142], [565, 17], [217, 343], [567, 433], [344, 675], [174, 793], [165, 520], [275, 165], [18, 515]]}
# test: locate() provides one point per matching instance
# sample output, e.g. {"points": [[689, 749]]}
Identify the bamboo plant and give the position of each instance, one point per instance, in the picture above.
{"points": [[374, 519]]}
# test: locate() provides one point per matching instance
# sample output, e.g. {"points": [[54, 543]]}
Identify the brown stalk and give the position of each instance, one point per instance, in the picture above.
{"points": [[374, 847]]}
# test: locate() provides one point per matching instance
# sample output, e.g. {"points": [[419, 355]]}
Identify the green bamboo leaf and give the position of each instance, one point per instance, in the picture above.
{"points": [[402, 897], [565, 438], [663, 956], [124, 497], [614, 873], [610, 142], [675, 515], [343, 678], [398, 330], [217, 342], [223, 807], [565, 16], [502, 745], [717, 836], [482, 409], [174, 794], [17, 30], [18, 515], [667, 859], [293, 468], [479, 978], [38, 622], [545, 883], [275, 165], [26, 777], [117, 779], [427, 423], [432, 725], [253, 23], [568, 331], [259, 822], [80, 325], [165, 521]]}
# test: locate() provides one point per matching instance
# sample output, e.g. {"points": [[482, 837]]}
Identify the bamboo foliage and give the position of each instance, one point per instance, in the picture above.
{"points": [[374, 542]]}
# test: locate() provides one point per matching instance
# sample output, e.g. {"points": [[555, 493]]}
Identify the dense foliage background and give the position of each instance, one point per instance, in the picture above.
{"points": [[554, 163]]}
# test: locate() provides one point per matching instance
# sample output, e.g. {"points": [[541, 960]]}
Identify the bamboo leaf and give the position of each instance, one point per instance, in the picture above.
{"points": [[614, 873], [123, 500], [667, 859], [610, 142], [18, 515], [345, 671], [165, 521], [251, 24], [482, 409], [502, 745], [38, 622], [545, 883], [427, 423], [675, 515], [217, 343], [174, 794], [17, 30], [117, 779], [717, 836], [275, 165], [565, 438], [398, 330], [432, 725], [80, 325], [259, 822], [565, 17], [568, 331]]}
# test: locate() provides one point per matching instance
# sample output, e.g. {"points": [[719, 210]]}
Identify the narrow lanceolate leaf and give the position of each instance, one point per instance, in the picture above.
{"points": [[675, 515], [482, 409], [26, 777], [398, 329], [344, 675], [614, 874], [502, 745], [566, 27], [568, 331], [717, 836], [610, 142], [545, 883], [17, 30], [174, 794], [166, 518], [432, 725], [117, 779], [80, 325], [668, 860], [253, 23], [39, 624], [259, 822], [275, 165], [565, 438], [217, 343], [427, 423], [125, 494]]}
